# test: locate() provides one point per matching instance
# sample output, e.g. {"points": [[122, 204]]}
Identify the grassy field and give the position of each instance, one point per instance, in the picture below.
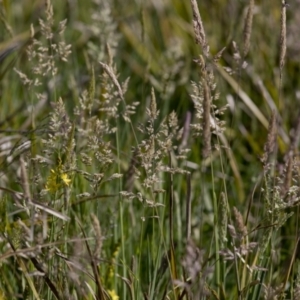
{"points": [[149, 149]]}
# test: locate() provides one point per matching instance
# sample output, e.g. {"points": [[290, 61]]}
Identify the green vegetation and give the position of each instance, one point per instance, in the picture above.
{"points": [[149, 150]]}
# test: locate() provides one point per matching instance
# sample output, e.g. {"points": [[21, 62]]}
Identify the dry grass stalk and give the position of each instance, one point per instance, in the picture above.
{"points": [[198, 28], [271, 139], [98, 235], [248, 28], [208, 114], [109, 71], [206, 119], [153, 106], [240, 225], [282, 36]]}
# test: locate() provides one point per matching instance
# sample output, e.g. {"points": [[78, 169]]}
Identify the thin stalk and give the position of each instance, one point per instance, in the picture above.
{"points": [[159, 258], [188, 208], [216, 234], [140, 257], [121, 211], [171, 228]]}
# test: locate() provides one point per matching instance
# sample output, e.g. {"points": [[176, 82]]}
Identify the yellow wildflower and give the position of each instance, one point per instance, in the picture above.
{"points": [[66, 180], [52, 184], [113, 295], [57, 180]]}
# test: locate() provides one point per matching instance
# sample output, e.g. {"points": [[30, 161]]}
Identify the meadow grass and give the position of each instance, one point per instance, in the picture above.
{"points": [[149, 150]]}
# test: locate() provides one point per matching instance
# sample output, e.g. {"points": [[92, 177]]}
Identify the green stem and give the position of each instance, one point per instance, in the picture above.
{"points": [[121, 212]]}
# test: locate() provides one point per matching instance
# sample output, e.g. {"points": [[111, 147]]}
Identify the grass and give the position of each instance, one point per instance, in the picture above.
{"points": [[149, 150]]}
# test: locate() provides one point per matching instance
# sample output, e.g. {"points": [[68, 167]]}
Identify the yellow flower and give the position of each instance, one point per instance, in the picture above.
{"points": [[66, 180], [57, 180], [113, 295], [52, 184]]}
